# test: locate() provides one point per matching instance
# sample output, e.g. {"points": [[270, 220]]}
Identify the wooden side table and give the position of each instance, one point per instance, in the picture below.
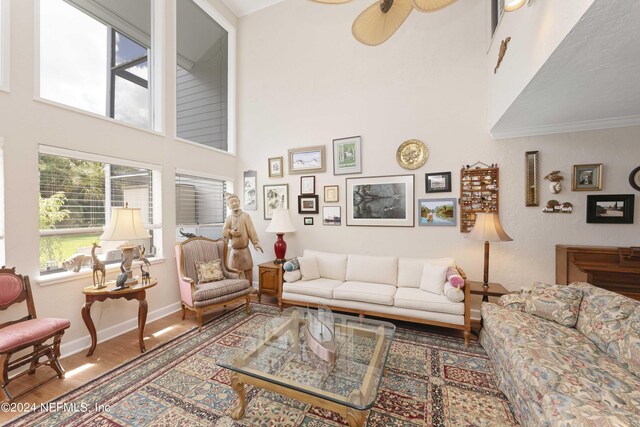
{"points": [[270, 280], [493, 290], [137, 292]]}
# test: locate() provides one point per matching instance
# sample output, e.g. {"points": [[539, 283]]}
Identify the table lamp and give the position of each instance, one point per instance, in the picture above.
{"points": [[280, 224], [126, 225], [488, 228]]}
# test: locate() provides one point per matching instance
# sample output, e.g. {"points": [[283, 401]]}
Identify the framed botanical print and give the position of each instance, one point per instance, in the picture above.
{"points": [[347, 156], [308, 159], [380, 201], [331, 194], [275, 167], [439, 182], [307, 185], [587, 177], [275, 196], [308, 204]]}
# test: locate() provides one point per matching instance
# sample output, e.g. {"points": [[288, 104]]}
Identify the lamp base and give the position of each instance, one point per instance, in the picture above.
{"points": [[280, 248]]}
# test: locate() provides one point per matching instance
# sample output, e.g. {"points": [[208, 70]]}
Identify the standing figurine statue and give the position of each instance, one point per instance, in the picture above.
{"points": [[238, 228], [99, 272], [145, 267]]}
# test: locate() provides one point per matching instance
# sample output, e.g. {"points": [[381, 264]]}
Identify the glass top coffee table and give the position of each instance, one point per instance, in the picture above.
{"points": [[277, 358]]}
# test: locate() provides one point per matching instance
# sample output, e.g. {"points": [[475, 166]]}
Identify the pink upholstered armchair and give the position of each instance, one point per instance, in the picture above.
{"points": [[198, 296], [26, 332]]}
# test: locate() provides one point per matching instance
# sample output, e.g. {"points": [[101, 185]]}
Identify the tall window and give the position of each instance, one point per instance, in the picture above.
{"points": [[200, 206], [95, 56], [202, 77], [76, 197]]}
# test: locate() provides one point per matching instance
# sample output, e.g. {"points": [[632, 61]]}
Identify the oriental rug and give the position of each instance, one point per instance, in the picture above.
{"points": [[429, 380]]}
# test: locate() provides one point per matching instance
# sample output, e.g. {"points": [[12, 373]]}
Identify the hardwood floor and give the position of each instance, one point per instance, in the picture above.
{"points": [[116, 351]]}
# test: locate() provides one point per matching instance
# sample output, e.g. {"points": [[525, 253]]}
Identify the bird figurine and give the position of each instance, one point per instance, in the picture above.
{"points": [[554, 186], [122, 278]]}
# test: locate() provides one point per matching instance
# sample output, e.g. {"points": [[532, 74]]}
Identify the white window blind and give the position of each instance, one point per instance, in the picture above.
{"points": [[200, 205]]}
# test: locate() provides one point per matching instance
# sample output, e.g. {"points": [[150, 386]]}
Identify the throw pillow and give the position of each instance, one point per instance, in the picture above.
{"points": [[433, 278], [514, 302], [558, 303], [452, 293], [291, 265], [453, 277], [209, 271], [292, 276], [309, 268]]}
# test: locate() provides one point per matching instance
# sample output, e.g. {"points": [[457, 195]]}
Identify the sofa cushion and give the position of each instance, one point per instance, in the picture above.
{"points": [[569, 411], [417, 299], [372, 269], [410, 270], [366, 292], [309, 268], [558, 303], [212, 290], [331, 266], [433, 278], [322, 288]]}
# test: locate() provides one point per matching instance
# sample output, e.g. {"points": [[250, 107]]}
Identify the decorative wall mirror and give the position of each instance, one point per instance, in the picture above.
{"points": [[531, 179]]}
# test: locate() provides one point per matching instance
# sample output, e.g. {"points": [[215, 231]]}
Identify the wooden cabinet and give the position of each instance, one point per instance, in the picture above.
{"points": [[270, 280]]}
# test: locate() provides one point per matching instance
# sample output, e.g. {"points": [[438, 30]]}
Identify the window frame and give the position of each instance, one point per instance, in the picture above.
{"points": [[156, 177], [231, 75]]}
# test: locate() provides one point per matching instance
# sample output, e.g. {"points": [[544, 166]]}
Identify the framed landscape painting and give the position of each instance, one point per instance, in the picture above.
{"points": [[347, 157], [438, 182], [331, 215], [434, 212], [275, 196], [380, 201], [308, 159], [610, 209], [308, 204]]}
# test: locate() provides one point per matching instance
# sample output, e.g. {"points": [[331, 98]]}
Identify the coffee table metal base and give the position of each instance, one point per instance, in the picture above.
{"points": [[355, 417]]}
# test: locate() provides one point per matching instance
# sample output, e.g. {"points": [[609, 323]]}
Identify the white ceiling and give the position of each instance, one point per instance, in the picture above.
{"points": [[245, 7], [589, 82]]}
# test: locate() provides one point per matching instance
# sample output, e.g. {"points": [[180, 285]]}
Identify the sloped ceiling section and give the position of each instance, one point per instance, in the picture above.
{"points": [[245, 7], [589, 82]]}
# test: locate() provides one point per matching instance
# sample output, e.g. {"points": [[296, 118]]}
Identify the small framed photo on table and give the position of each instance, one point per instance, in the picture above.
{"points": [[308, 204], [437, 182], [307, 185]]}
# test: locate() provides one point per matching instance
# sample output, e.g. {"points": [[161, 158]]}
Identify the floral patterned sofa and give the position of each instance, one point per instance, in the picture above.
{"points": [[554, 374]]}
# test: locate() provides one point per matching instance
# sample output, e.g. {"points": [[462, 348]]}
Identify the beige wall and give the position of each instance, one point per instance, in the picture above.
{"points": [[25, 123], [303, 80]]}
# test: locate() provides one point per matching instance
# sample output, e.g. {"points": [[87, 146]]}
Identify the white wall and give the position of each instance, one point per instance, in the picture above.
{"points": [[25, 123], [303, 80]]}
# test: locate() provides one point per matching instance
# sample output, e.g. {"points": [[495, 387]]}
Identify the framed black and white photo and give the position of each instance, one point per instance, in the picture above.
{"points": [[275, 196], [308, 220], [435, 212], [307, 185], [347, 157], [275, 167], [308, 159], [610, 209], [250, 191], [587, 177], [331, 193], [308, 204], [437, 182], [380, 201], [331, 215]]}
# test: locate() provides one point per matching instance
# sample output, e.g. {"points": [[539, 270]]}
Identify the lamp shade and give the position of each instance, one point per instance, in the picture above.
{"points": [[280, 222], [511, 5], [125, 224], [488, 229]]}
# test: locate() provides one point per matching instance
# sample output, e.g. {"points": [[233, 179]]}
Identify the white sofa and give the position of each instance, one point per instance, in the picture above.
{"points": [[384, 286]]}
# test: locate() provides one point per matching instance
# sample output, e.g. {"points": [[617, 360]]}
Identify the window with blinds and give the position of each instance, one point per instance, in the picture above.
{"points": [[76, 197], [200, 206]]}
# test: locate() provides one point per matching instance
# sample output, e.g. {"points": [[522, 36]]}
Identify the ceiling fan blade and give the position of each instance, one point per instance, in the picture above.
{"points": [[431, 5], [373, 27], [332, 1]]}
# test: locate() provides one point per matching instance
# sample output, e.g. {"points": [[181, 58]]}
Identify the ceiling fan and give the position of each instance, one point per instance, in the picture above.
{"points": [[379, 21]]}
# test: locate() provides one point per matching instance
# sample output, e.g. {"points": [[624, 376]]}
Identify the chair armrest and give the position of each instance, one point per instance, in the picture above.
{"points": [[462, 273], [187, 288], [230, 273]]}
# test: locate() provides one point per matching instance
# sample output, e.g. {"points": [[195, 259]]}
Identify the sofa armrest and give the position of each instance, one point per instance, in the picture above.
{"points": [[292, 276], [514, 302]]}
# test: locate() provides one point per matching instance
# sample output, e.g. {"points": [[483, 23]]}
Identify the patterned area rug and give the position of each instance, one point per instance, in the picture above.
{"points": [[429, 380]]}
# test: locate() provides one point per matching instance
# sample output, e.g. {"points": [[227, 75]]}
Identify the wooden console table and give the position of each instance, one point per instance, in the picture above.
{"points": [[612, 268], [137, 292]]}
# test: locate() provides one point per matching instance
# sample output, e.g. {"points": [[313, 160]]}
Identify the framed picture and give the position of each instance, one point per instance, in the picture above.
{"points": [[587, 177], [308, 204], [347, 157], [381, 201], [437, 182], [610, 209], [275, 196], [331, 215], [275, 167], [433, 212], [331, 193], [250, 191], [307, 185], [308, 220], [309, 159]]}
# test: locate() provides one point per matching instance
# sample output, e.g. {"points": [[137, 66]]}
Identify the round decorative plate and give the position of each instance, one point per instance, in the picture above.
{"points": [[634, 178], [412, 154]]}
